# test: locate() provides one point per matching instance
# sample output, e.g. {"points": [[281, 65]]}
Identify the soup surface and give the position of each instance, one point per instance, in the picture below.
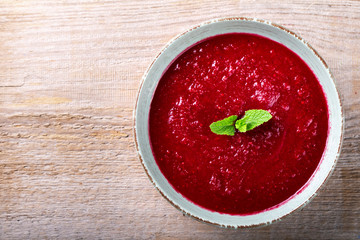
{"points": [[252, 171]]}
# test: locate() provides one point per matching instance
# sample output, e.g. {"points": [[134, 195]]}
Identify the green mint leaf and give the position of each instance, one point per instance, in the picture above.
{"points": [[225, 126], [252, 119]]}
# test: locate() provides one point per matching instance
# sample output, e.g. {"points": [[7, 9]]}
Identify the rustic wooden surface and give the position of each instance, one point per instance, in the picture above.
{"points": [[69, 76]]}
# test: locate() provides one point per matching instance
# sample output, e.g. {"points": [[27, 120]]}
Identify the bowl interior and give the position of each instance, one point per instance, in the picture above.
{"points": [[278, 34]]}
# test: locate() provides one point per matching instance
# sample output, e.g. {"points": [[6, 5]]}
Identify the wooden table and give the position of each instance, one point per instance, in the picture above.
{"points": [[69, 76]]}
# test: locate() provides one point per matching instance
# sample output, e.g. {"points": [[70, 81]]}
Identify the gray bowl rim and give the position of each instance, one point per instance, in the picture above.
{"points": [[257, 20]]}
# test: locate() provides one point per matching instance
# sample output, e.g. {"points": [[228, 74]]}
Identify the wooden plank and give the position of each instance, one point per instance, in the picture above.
{"points": [[69, 76]]}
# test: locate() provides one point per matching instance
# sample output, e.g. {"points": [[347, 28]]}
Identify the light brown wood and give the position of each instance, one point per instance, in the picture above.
{"points": [[69, 76]]}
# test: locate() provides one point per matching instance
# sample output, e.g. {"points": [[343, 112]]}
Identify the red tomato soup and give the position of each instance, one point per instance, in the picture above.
{"points": [[226, 75]]}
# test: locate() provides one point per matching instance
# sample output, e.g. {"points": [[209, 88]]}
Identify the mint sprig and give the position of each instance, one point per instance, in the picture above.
{"points": [[252, 119]]}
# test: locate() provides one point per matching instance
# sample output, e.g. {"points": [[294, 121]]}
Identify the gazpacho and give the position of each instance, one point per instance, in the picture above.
{"points": [[250, 171]]}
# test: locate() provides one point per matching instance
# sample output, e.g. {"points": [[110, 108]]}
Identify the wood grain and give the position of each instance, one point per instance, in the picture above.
{"points": [[69, 76]]}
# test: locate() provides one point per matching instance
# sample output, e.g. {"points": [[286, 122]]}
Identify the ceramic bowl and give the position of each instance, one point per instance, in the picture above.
{"points": [[245, 25]]}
